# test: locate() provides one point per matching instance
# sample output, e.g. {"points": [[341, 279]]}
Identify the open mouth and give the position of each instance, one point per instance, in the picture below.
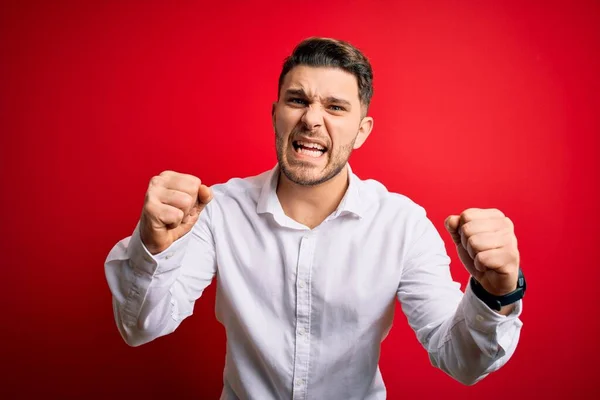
{"points": [[310, 149]]}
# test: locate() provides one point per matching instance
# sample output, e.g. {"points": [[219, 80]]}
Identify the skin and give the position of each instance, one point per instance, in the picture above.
{"points": [[487, 246], [323, 105]]}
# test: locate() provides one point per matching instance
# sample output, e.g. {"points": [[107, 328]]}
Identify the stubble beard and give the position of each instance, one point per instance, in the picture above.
{"points": [[299, 172]]}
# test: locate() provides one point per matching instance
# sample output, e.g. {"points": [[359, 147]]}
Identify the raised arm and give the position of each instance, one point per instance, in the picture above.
{"points": [[157, 273], [462, 335]]}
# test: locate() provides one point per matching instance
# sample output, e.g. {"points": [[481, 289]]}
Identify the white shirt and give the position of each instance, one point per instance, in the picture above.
{"points": [[305, 310]]}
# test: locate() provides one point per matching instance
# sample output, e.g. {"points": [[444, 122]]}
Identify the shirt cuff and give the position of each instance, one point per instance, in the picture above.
{"points": [[499, 329], [167, 260]]}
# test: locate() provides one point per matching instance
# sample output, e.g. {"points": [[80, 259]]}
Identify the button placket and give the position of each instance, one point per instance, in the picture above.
{"points": [[303, 304]]}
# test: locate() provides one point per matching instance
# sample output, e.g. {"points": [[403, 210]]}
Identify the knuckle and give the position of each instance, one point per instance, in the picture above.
{"points": [[467, 229], [187, 200], [509, 223], [480, 258], [169, 195], [152, 192], [178, 214], [156, 180], [164, 216], [192, 185], [498, 212], [166, 173], [171, 215], [472, 242], [510, 238], [468, 214], [196, 181], [151, 209]]}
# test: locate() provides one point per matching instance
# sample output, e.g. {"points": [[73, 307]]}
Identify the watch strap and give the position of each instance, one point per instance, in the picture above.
{"points": [[497, 302]]}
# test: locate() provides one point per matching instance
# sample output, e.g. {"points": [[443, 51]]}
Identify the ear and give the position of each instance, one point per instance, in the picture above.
{"points": [[364, 130], [273, 108]]}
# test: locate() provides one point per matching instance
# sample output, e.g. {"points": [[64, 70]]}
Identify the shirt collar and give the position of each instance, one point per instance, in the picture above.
{"points": [[352, 202], [268, 201]]}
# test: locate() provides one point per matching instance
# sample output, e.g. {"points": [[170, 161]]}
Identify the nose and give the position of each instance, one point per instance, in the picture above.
{"points": [[313, 117]]}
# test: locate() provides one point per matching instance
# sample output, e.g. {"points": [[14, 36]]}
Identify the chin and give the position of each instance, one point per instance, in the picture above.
{"points": [[301, 175], [308, 175]]}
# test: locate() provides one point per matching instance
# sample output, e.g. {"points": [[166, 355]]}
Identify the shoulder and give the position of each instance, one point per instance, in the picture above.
{"points": [[242, 191], [240, 186], [396, 216], [380, 199]]}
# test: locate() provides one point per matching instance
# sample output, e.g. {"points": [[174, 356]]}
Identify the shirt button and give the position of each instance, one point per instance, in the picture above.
{"points": [[479, 318], [169, 255], [301, 284], [300, 331], [299, 382]]}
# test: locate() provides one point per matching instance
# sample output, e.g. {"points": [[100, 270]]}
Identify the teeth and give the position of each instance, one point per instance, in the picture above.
{"points": [[312, 153], [311, 145]]}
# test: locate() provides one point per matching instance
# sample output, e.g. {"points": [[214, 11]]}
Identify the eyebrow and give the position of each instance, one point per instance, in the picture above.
{"points": [[330, 99]]}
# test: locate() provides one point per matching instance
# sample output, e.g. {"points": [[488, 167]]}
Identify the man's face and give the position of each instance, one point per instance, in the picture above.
{"points": [[318, 121]]}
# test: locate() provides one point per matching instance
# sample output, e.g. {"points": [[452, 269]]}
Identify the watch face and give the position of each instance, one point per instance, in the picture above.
{"points": [[521, 281]]}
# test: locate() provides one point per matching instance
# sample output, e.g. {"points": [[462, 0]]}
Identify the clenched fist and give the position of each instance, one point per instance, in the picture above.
{"points": [[487, 246], [172, 206]]}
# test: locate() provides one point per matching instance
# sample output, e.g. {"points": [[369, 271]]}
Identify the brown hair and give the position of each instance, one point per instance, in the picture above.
{"points": [[326, 52]]}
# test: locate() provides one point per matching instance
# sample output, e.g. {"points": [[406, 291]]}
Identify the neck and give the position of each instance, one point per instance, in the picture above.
{"points": [[310, 205]]}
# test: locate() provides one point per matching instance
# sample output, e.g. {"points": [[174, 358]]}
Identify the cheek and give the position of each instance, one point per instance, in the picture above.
{"points": [[341, 133], [285, 121]]}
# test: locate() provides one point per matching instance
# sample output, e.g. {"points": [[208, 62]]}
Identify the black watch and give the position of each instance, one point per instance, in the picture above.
{"points": [[496, 302]]}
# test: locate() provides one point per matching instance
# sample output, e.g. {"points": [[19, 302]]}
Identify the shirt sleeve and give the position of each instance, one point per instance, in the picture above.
{"points": [[462, 335], [152, 294]]}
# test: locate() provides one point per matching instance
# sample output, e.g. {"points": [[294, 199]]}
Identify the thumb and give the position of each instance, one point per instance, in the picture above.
{"points": [[205, 195], [452, 223]]}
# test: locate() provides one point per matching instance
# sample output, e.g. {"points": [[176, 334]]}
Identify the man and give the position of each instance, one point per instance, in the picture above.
{"points": [[310, 259]]}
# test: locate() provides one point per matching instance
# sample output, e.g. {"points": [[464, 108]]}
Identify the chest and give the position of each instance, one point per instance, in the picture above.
{"points": [[343, 272]]}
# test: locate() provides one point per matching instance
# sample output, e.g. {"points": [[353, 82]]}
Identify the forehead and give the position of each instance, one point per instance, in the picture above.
{"points": [[322, 81]]}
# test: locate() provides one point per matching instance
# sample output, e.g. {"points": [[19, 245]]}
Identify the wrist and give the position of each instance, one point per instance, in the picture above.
{"points": [[500, 303], [506, 310]]}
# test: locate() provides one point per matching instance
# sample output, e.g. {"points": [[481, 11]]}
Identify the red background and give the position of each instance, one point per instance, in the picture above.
{"points": [[477, 104]]}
